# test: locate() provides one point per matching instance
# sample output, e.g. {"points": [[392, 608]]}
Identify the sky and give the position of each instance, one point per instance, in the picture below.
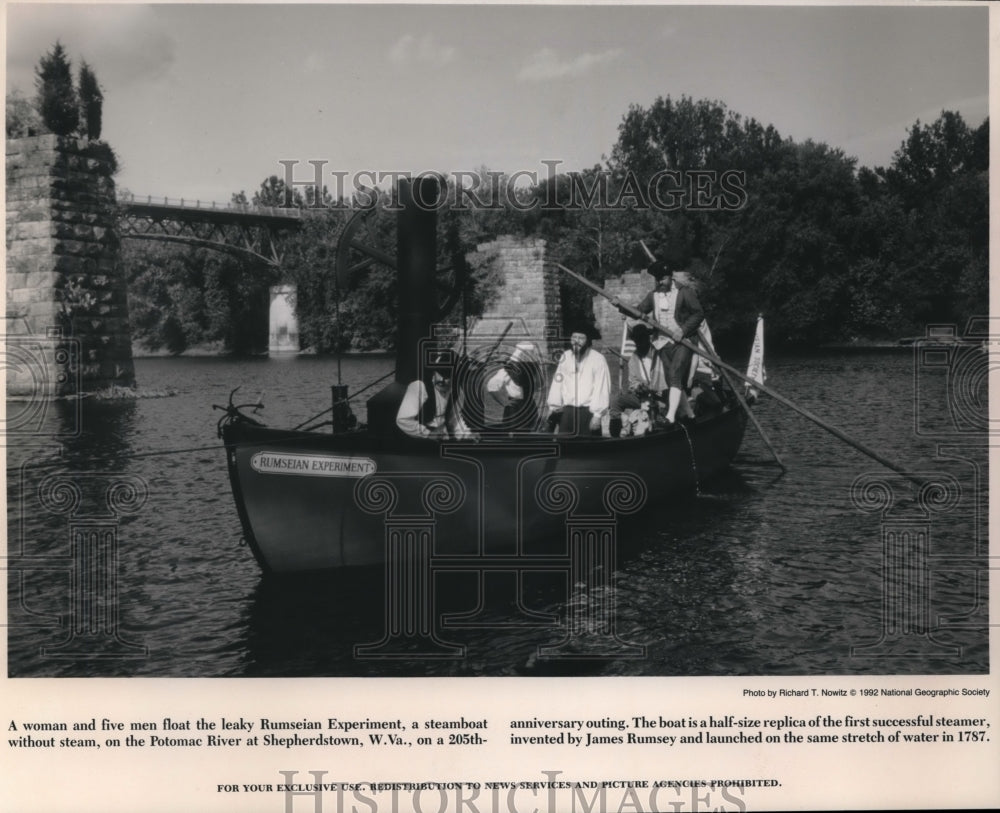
{"points": [[204, 100]]}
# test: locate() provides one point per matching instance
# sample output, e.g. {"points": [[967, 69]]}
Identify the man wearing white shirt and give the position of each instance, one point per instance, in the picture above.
{"points": [[581, 387]]}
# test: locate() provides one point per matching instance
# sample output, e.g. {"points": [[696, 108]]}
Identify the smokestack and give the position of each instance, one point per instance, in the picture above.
{"points": [[416, 258]]}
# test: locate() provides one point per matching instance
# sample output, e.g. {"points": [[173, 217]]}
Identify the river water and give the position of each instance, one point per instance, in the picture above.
{"points": [[761, 573]]}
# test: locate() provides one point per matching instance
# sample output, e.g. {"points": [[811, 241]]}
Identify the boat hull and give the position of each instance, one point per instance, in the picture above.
{"points": [[309, 501]]}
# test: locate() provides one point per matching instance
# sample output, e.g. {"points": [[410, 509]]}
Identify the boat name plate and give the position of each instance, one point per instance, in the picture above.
{"points": [[314, 465]]}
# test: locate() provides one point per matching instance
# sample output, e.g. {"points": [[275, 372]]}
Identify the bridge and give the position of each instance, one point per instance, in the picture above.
{"points": [[254, 230]]}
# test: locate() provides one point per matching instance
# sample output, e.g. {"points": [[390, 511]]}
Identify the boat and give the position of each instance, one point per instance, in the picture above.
{"points": [[362, 495]]}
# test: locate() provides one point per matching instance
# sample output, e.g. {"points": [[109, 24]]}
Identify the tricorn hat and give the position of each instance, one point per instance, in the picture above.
{"points": [[585, 328], [660, 269], [640, 329]]}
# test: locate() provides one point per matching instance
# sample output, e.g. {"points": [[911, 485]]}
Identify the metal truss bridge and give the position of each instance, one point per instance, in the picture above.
{"points": [[254, 230]]}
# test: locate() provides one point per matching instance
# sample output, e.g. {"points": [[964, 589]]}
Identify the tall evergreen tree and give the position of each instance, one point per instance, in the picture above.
{"points": [[56, 97], [91, 102]]}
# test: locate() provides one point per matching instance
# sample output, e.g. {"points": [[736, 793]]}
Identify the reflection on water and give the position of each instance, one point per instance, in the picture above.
{"points": [[760, 573]]}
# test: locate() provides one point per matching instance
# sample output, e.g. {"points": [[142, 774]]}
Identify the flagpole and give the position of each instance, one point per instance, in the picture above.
{"points": [[833, 430]]}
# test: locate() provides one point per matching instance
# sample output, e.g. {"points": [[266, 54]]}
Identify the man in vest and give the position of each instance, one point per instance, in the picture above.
{"points": [[437, 416], [581, 387], [677, 308]]}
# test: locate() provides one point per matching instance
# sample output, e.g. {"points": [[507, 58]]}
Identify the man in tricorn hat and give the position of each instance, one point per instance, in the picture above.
{"points": [[581, 386], [677, 308], [429, 408]]}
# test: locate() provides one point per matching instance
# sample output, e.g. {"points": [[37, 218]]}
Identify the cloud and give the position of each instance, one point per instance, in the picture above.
{"points": [[410, 50], [123, 44], [546, 64]]}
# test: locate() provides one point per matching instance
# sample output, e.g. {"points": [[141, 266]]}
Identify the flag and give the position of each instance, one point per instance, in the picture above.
{"points": [[700, 364], [755, 369], [628, 346]]}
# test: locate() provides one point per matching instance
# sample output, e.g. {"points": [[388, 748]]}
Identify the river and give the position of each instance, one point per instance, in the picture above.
{"points": [[761, 573]]}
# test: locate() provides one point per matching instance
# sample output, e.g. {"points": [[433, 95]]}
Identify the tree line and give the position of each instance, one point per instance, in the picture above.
{"points": [[826, 250]]}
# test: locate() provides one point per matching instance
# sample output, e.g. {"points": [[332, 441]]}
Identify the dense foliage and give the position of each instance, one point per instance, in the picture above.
{"points": [[91, 102], [61, 108], [56, 98], [184, 297], [827, 251]]}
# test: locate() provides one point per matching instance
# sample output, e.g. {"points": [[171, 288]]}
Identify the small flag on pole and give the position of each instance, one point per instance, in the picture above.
{"points": [[755, 369], [628, 346], [700, 364]]}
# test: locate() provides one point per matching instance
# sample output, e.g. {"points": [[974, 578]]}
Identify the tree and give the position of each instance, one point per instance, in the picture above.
{"points": [[274, 193], [56, 98], [939, 177], [22, 117], [183, 296], [91, 102]]}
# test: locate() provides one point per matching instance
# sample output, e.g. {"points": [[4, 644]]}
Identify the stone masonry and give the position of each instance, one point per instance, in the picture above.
{"points": [[629, 288], [529, 296], [66, 297]]}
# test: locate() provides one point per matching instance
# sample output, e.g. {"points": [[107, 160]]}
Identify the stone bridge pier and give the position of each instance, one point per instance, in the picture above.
{"points": [[527, 299], [67, 310]]}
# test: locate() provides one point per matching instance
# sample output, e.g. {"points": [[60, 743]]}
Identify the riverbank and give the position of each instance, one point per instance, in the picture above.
{"points": [[217, 350]]}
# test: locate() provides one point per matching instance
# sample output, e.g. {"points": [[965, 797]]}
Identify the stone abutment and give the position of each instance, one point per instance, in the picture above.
{"points": [[67, 309]]}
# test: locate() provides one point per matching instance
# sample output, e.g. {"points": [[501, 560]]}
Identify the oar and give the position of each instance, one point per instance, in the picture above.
{"points": [[753, 418], [499, 341], [833, 430]]}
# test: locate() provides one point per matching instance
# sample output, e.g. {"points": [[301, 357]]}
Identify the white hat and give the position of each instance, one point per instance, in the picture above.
{"points": [[523, 351]]}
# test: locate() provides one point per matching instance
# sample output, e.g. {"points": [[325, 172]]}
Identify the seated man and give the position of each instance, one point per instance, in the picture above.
{"points": [[514, 385], [581, 387], [439, 416], [646, 381]]}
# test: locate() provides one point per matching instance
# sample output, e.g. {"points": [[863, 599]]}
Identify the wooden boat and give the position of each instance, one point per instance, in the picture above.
{"points": [[316, 500], [313, 501]]}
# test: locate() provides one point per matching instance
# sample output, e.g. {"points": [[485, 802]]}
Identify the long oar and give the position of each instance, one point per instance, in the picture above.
{"points": [[833, 430], [753, 418]]}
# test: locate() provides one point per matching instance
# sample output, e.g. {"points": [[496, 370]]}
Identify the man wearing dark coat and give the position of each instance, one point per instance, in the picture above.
{"points": [[677, 308]]}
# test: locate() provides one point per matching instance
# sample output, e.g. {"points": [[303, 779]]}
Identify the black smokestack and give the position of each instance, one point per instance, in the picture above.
{"points": [[417, 263]]}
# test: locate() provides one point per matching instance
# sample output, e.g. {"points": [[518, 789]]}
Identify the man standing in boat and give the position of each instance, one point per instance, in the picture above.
{"points": [[438, 416], [581, 387], [677, 308]]}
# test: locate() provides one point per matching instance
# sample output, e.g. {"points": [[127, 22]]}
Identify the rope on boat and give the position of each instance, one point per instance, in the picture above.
{"points": [[349, 397]]}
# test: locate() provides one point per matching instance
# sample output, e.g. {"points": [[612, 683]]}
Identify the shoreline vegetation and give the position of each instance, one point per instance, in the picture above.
{"points": [[214, 351], [830, 252]]}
